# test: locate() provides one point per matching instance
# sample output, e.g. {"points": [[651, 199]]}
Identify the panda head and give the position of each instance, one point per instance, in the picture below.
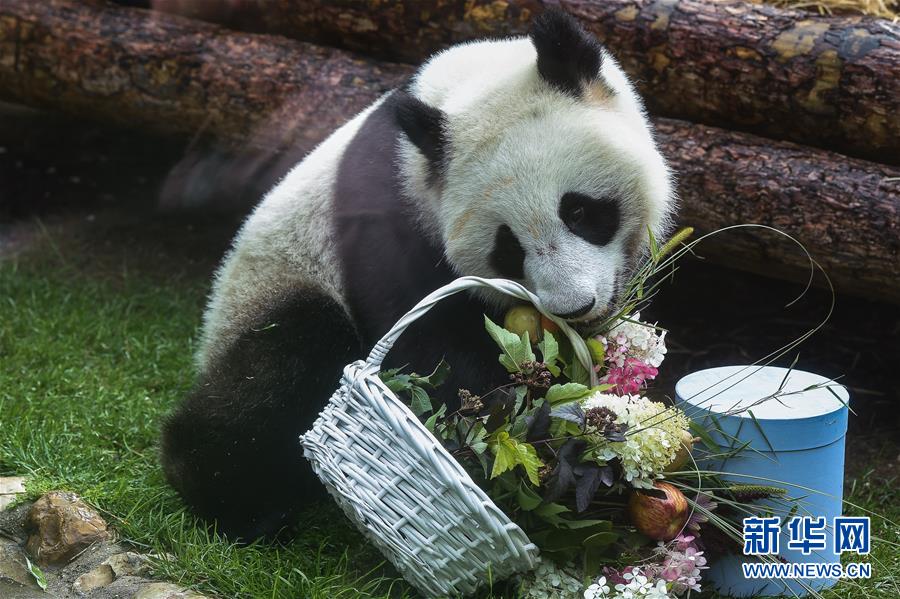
{"points": [[532, 159]]}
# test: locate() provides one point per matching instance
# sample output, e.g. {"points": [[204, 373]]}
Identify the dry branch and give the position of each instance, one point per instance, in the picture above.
{"points": [[178, 75], [830, 82]]}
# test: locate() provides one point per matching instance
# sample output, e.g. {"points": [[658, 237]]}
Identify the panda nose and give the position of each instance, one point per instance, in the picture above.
{"points": [[580, 311]]}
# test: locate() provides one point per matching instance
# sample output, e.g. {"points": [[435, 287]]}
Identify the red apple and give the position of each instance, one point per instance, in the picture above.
{"points": [[660, 519], [549, 326]]}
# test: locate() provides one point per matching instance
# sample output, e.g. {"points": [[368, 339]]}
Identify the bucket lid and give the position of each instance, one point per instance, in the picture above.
{"points": [[810, 411]]}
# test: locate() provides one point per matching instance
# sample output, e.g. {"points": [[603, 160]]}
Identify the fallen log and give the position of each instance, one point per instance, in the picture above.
{"points": [[178, 75], [830, 82], [845, 211], [175, 75]]}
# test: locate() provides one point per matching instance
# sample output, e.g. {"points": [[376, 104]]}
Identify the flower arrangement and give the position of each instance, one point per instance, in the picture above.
{"points": [[600, 477]]}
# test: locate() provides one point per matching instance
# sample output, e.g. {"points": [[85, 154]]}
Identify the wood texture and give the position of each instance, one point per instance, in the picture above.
{"points": [[175, 75], [845, 211], [830, 82], [180, 76]]}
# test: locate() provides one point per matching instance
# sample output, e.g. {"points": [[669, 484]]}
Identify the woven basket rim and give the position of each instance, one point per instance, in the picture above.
{"points": [[361, 383]]}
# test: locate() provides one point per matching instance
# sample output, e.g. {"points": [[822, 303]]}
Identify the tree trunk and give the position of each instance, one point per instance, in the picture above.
{"points": [[830, 82], [177, 75], [845, 211]]}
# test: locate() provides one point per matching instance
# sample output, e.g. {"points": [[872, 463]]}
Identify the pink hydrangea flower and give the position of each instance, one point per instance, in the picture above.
{"points": [[681, 564], [634, 351], [629, 378]]}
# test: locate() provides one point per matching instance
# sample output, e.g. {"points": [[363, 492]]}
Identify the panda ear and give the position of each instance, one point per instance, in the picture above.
{"points": [[424, 125], [568, 57]]}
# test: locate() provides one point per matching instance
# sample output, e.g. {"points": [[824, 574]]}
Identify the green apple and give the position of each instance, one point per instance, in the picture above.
{"points": [[524, 318]]}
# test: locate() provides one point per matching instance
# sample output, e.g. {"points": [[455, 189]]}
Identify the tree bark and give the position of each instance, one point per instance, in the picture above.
{"points": [[830, 82], [176, 75], [845, 211], [180, 76]]}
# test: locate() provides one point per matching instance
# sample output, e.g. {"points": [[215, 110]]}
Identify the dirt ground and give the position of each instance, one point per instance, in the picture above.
{"points": [[104, 198]]}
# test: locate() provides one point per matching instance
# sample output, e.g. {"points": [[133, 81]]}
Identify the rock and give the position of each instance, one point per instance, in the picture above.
{"points": [[12, 590], [13, 565], [100, 576], [128, 564], [115, 566], [165, 590], [10, 488], [60, 525]]}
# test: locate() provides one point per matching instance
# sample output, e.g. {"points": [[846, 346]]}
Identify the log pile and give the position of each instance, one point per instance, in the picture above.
{"points": [[832, 83], [183, 76]]}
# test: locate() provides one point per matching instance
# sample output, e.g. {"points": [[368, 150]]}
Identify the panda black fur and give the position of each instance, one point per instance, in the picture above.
{"points": [[525, 158]]}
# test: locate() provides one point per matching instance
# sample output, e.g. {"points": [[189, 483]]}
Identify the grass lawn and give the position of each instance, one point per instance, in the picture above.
{"points": [[91, 358]]}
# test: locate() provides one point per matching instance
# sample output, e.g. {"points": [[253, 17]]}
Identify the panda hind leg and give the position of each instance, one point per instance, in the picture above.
{"points": [[231, 448]]}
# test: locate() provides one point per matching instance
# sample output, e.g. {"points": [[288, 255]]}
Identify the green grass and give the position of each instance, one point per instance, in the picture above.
{"points": [[88, 366], [90, 363]]}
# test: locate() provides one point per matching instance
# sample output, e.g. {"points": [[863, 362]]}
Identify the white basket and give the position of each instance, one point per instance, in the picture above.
{"points": [[402, 489]]}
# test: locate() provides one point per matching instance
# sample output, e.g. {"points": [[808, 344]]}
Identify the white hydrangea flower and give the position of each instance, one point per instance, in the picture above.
{"points": [[597, 590], [548, 581], [651, 441], [635, 339], [639, 586]]}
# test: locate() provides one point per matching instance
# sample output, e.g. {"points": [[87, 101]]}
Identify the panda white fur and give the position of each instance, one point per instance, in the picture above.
{"points": [[528, 158]]}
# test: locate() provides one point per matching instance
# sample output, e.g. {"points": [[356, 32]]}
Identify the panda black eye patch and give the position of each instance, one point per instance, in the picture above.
{"points": [[507, 257], [594, 220]]}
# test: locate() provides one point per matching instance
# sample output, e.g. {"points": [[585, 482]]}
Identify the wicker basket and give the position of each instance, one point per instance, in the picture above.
{"points": [[402, 489]]}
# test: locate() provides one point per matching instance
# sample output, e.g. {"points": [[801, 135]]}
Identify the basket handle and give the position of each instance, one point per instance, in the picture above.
{"points": [[378, 353]]}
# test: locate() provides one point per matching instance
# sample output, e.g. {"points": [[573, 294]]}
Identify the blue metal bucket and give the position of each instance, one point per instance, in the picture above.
{"points": [[796, 441]]}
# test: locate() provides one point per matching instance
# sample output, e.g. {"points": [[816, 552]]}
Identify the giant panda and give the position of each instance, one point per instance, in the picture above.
{"points": [[528, 158]]}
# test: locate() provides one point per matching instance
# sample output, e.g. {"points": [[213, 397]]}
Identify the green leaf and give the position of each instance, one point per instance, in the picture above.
{"points": [[518, 428], [528, 499], [421, 403], [479, 447], [436, 378], [389, 374], [568, 392], [529, 459], [577, 524], [550, 352], [598, 352], [397, 382], [484, 460], [576, 372], [595, 557], [39, 577], [515, 349], [601, 539], [510, 453], [505, 454], [476, 433], [432, 420], [551, 509], [521, 392]]}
